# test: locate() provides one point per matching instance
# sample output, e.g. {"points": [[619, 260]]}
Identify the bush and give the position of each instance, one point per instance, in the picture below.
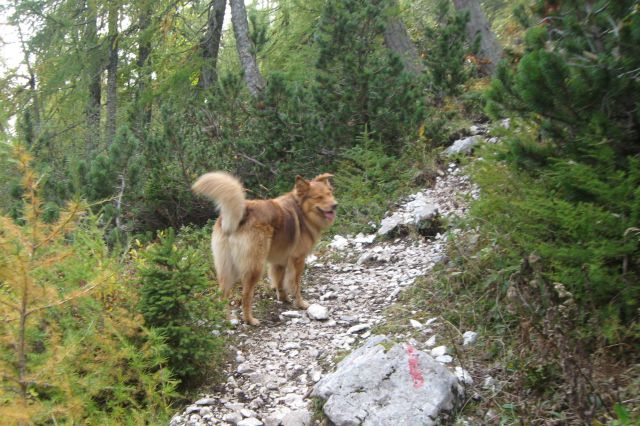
{"points": [[367, 181], [71, 352], [177, 301]]}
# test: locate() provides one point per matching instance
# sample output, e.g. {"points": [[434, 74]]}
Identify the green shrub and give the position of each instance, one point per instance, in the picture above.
{"points": [[73, 351], [177, 301], [577, 221], [446, 47], [367, 182]]}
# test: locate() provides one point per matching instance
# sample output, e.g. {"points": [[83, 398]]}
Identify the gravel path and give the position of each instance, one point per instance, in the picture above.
{"points": [[353, 282]]}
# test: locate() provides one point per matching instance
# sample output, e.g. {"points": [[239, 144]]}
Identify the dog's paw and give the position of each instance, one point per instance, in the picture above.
{"points": [[252, 321], [283, 297], [302, 304]]}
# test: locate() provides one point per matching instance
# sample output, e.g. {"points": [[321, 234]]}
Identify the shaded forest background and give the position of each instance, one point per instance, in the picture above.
{"points": [[107, 308]]}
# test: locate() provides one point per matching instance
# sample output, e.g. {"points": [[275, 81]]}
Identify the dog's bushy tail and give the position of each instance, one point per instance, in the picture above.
{"points": [[228, 195]]}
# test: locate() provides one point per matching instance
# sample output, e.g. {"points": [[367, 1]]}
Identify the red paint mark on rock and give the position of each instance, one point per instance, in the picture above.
{"points": [[414, 370]]}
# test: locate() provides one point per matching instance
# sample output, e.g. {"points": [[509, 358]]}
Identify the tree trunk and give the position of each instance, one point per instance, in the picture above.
{"points": [[490, 50], [94, 73], [246, 49], [397, 40], [112, 71], [33, 131], [142, 106], [210, 44]]}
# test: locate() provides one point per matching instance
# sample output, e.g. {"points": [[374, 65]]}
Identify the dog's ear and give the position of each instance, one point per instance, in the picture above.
{"points": [[324, 178], [302, 186]]}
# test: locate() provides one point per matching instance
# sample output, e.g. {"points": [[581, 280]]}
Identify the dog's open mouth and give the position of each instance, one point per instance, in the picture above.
{"points": [[330, 215]]}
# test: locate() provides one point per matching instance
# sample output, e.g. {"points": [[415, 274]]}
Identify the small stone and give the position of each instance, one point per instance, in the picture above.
{"points": [[316, 374], [272, 386], [206, 401], [294, 400], [234, 406], [317, 312], [489, 383], [244, 369], [415, 324], [297, 418], [330, 295], [250, 421], [349, 319], [469, 338], [463, 375], [232, 418], [438, 351], [275, 418], [426, 212], [431, 321], [247, 413], [431, 341], [176, 420], [491, 415], [205, 411], [339, 242], [192, 409], [358, 328], [256, 403], [291, 314], [364, 239], [444, 359], [290, 345]]}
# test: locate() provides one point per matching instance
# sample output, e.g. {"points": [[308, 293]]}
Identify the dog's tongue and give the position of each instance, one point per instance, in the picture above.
{"points": [[330, 215]]}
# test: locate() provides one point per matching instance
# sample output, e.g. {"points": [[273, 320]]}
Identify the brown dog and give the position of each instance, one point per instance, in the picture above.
{"points": [[281, 231]]}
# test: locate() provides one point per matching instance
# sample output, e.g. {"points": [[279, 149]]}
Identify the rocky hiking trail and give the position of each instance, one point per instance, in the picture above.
{"points": [[283, 365]]}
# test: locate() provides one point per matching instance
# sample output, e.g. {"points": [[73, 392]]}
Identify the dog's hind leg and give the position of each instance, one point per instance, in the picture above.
{"points": [[249, 282], [225, 269], [276, 274]]}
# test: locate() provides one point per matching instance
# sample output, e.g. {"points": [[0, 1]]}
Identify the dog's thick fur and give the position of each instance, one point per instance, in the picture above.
{"points": [[280, 231]]}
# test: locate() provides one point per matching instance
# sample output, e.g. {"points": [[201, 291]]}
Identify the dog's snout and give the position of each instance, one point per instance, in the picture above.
{"points": [[335, 206]]}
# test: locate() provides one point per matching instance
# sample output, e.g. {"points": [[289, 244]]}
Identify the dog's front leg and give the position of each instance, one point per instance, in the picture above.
{"points": [[298, 269]]}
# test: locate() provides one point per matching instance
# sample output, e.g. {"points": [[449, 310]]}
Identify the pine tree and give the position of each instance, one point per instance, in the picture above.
{"points": [[359, 82], [176, 302], [576, 90]]}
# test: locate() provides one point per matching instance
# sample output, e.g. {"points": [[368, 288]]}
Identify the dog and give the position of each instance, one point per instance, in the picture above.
{"points": [[280, 231]]}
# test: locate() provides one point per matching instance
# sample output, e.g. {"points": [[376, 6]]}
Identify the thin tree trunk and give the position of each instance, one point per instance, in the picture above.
{"points": [[246, 49], [490, 50], [396, 38], [143, 107], [121, 189], [94, 74], [35, 125], [112, 71], [210, 44]]}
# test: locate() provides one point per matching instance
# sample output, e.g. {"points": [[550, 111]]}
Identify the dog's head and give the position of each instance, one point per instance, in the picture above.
{"points": [[317, 200]]}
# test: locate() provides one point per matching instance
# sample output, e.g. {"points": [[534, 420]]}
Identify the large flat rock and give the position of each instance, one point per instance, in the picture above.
{"points": [[376, 386]]}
